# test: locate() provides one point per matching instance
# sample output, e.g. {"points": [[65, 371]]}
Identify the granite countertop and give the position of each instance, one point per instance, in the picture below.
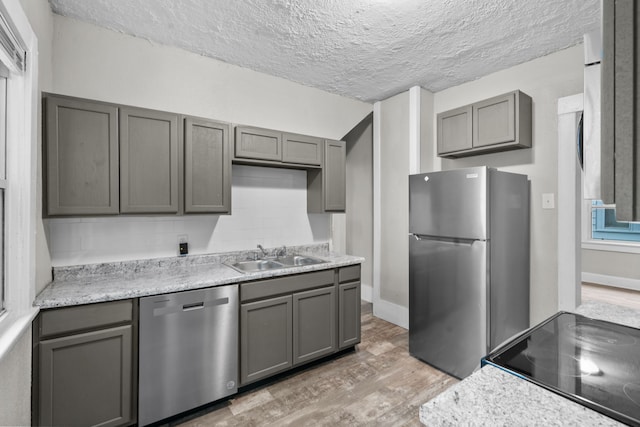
{"points": [[493, 397], [85, 284]]}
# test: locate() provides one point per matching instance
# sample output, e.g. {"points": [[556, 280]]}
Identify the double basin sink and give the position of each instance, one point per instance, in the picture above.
{"points": [[288, 261]]}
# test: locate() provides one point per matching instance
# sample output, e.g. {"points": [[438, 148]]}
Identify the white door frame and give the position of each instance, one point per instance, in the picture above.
{"points": [[569, 204]]}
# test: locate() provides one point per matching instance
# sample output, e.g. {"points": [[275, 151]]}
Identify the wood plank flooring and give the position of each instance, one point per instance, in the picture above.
{"points": [[377, 384], [618, 296]]}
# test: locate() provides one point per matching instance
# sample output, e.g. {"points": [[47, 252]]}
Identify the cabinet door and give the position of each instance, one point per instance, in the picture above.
{"points": [[334, 174], [148, 161], [81, 157], [348, 314], [454, 130], [620, 151], [265, 338], [256, 143], [314, 324], [494, 121], [86, 379], [302, 149], [207, 166]]}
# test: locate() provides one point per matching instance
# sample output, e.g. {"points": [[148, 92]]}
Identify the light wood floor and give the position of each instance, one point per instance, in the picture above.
{"points": [[377, 384], [618, 296]]}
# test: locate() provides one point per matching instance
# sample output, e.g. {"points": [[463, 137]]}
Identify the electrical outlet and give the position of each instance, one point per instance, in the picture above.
{"points": [[548, 201], [183, 248]]}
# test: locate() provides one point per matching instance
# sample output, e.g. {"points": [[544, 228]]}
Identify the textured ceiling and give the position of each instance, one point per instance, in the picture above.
{"points": [[363, 49]]}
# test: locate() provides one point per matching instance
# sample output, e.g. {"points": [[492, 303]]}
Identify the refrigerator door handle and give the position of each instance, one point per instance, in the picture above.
{"points": [[447, 240]]}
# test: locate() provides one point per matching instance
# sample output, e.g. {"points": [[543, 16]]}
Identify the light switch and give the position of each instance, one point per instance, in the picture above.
{"points": [[548, 201]]}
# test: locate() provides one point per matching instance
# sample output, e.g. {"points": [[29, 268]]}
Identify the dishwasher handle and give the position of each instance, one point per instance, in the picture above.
{"points": [[178, 308]]}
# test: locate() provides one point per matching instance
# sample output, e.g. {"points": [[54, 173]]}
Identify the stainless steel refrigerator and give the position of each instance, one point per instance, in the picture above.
{"points": [[468, 265]]}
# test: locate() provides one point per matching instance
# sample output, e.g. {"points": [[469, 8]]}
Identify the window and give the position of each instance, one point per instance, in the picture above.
{"points": [[605, 227], [18, 174]]}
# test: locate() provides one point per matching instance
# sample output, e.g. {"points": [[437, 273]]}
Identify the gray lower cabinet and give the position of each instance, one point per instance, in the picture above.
{"points": [[85, 366], [81, 147], [314, 320], [287, 321], [265, 338], [349, 314], [149, 147], [496, 124], [620, 155], [207, 166], [348, 306], [326, 187]]}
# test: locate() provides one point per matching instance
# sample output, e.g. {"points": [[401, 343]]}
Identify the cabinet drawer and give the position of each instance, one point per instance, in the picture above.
{"points": [[72, 319], [284, 285], [349, 274]]}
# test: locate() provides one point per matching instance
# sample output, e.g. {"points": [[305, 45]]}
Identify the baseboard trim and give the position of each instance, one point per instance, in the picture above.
{"points": [[618, 282], [391, 312], [366, 292]]}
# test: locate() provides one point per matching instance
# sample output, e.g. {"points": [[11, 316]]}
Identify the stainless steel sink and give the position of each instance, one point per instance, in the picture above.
{"points": [[275, 263], [298, 260], [259, 265]]}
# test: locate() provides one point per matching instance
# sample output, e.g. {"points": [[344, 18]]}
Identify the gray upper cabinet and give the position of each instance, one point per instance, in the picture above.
{"points": [[494, 121], [267, 147], [207, 168], [302, 149], [326, 187], [81, 143], [497, 124], [454, 130], [84, 366], [257, 143], [149, 147], [335, 176], [620, 125]]}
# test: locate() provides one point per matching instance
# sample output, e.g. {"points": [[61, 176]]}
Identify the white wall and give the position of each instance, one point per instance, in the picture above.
{"points": [[427, 131], [394, 201], [544, 79], [615, 265], [359, 215], [95, 63], [269, 207]]}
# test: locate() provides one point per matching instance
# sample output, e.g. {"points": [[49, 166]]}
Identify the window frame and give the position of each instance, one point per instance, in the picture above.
{"points": [[588, 242], [21, 176]]}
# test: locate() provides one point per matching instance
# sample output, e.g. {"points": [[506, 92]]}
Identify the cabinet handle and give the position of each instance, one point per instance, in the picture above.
{"points": [[194, 306]]}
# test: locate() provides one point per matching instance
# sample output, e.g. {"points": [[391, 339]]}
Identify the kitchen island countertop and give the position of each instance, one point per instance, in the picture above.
{"points": [[493, 397], [86, 284]]}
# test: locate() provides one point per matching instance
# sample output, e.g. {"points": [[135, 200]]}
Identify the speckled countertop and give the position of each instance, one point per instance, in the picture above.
{"points": [[85, 284], [493, 397]]}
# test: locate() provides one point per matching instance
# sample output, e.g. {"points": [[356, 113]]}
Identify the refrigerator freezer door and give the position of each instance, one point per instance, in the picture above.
{"points": [[448, 303], [449, 203]]}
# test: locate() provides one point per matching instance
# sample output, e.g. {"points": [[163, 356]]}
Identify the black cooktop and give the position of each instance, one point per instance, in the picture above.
{"points": [[593, 362]]}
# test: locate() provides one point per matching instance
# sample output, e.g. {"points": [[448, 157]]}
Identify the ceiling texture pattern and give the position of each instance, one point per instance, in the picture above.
{"points": [[363, 49]]}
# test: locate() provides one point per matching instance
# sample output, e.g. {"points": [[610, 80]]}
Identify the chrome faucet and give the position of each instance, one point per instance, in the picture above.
{"points": [[264, 252]]}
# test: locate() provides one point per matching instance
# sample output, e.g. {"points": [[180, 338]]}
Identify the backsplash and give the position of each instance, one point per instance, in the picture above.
{"points": [[269, 206]]}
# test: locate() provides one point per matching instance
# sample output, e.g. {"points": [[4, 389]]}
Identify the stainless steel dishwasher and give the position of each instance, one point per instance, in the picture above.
{"points": [[188, 351]]}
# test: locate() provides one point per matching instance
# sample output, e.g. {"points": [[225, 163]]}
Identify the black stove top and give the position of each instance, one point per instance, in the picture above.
{"points": [[592, 362]]}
